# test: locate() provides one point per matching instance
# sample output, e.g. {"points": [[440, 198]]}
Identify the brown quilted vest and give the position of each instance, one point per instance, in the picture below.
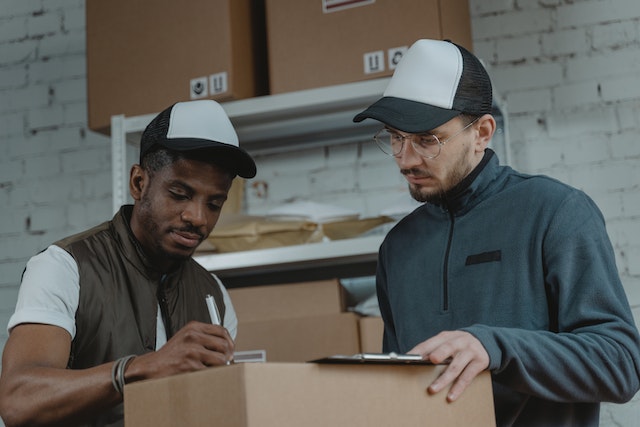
{"points": [[118, 303]]}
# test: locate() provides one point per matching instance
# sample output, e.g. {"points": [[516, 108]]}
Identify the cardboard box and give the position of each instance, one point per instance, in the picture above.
{"points": [[144, 55], [371, 333], [286, 301], [301, 339], [314, 43], [305, 394]]}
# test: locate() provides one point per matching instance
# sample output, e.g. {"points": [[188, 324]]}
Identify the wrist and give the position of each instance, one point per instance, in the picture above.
{"points": [[118, 372]]}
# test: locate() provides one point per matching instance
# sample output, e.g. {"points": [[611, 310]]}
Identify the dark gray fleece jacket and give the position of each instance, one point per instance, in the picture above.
{"points": [[524, 263]]}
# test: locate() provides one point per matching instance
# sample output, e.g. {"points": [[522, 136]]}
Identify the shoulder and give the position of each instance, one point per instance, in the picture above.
{"points": [[545, 191], [100, 230]]}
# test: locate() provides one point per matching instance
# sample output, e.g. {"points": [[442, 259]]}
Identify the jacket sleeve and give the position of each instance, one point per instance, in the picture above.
{"points": [[592, 352], [389, 340]]}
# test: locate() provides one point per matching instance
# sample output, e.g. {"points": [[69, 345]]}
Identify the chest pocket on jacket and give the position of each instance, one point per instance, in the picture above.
{"points": [[492, 256]]}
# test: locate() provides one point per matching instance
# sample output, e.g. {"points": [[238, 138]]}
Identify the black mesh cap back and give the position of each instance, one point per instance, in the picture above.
{"points": [[474, 95], [155, 131]]}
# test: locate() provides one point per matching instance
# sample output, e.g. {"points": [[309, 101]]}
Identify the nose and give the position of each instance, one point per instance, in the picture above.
{"points": [[408, 157], [194, 214]]}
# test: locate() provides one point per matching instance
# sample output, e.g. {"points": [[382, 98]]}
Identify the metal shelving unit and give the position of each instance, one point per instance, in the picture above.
{"points": [[312, 261], [269, 124], [284, 122]]}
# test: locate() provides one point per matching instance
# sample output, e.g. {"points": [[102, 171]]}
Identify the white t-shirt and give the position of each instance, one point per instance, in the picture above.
{"points": [[50, 293]]}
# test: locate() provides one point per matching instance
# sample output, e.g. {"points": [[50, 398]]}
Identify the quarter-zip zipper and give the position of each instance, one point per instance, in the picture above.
{"points": [[164, 308], [445, 272]]}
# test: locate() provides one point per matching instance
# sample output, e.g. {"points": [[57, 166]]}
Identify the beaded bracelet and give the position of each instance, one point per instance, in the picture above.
{"points": [[117, 372]]}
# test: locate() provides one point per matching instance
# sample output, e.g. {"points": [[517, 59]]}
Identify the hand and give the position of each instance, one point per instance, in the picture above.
{"points": [[465, 355], [196, 346]]}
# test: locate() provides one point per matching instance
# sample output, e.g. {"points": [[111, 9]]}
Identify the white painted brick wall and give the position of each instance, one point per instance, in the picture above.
{"points": [[614, 35], [573, 107], [567, 71], [54, 174], [565, 42]]}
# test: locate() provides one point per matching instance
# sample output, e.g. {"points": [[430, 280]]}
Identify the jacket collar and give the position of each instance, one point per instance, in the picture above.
{"points": [[463, 196], [121, 226]]}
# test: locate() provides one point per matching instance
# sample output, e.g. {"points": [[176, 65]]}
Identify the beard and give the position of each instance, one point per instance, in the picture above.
{"points": [[459, 170], [423, 195], [154, 247]]}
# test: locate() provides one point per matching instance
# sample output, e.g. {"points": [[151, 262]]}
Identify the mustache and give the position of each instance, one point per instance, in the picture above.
{"points": [[191, 230], [418, 173]]}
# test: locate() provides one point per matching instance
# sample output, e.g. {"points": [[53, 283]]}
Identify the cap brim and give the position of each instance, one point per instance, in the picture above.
{"points": [[407, 116], [239, 160]]}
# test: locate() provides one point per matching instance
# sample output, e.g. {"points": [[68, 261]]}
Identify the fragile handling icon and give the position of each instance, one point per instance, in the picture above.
{"points": [[205, 86], [374, 62]]}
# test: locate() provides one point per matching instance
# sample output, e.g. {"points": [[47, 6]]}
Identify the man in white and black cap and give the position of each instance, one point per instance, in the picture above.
{"points": [[125, 301], [497, 270]]}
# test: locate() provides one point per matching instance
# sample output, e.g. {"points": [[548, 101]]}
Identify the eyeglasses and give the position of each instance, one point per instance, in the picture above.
{"points": [[425, 144]]}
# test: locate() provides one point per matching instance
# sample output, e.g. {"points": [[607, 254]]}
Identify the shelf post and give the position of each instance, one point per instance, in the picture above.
{"points": [[118, 161]]}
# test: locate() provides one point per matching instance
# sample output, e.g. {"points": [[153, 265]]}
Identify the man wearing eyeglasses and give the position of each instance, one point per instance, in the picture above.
{"points": [[497, 270]]}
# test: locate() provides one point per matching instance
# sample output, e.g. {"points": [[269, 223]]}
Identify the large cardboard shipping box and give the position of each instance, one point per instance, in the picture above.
{"points": [[371, 333], [144, 55], [301, 339], [305, 394], [314, 43], [288, 300]]}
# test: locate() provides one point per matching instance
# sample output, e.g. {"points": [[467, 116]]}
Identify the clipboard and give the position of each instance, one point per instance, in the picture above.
{"points": [[374, 359]]}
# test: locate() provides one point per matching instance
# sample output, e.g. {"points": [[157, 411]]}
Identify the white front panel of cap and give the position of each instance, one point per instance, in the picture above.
{"points": [[205, 119], [429, 73]]}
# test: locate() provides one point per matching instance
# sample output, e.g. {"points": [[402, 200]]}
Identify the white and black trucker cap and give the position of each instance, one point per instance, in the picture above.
{"points": [[198, 125], [435, 81]]}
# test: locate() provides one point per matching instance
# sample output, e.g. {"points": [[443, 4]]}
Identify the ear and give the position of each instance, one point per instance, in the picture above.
{"points": [[486, 127], [137, 181]]}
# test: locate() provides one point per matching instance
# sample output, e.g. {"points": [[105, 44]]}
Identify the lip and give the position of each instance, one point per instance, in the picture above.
{"points": [[417, 179], [189, 240]]}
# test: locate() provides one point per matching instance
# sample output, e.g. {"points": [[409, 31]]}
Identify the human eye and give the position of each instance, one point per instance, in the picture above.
{"points": [[395, 141], [177, 194], [427, 141], [395, 137], [215, 206]]}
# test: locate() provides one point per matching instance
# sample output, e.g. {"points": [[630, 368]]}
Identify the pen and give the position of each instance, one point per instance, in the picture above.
{"points": [[213, 310]]}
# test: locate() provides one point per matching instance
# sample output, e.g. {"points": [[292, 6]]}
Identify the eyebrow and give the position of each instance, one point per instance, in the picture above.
{"points": [[429, 132], [183, 185]]}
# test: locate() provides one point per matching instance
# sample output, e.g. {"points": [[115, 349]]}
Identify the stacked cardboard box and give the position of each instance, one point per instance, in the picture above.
{"points": [[295, 322], [314, 43], [371, 332], [144, 55]]}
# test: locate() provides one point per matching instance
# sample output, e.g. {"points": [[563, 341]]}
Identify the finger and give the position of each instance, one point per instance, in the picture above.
{"points": [[220, 345], [215, 358], [211, 329], [459, 374], [199, 345], [463, 381], [214, 337], [426, 347]]}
